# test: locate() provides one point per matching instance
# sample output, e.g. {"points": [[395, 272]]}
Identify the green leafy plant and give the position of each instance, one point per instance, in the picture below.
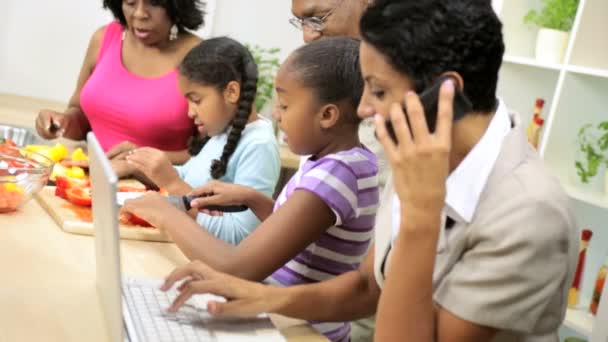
{"points": [[556, 15], [593, 143], [268, 63]]}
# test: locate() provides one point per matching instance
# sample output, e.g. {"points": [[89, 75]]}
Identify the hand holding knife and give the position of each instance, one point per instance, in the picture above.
{"points": [[182, 202]]}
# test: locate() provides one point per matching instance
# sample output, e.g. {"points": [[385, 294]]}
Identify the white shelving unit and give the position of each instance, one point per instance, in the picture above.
{"points": [[575, 93]]}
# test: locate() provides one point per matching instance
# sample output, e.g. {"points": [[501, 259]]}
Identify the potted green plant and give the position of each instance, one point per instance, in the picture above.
{"points": [[593, 148], [555, 21], [268, 63]]}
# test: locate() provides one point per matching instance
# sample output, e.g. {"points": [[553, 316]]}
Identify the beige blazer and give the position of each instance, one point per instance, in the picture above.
{"points": [[511, 267]]}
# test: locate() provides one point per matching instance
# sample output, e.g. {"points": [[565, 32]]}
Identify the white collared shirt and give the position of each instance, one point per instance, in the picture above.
{"points": [[465, 184]]}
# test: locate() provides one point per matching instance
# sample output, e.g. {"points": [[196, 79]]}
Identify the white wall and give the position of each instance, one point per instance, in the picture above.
{"points": [[262, 22], [42, 43]]}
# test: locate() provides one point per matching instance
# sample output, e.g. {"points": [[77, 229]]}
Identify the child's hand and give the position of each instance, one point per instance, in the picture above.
{"points": [[151, 207], [245, 298], [154, 164], [219, 193], [420, 160], [120, 151]]}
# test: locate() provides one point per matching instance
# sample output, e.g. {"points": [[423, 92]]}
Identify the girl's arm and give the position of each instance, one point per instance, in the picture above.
{"points": [[224, 194], [153, 166], [277, 240], [346, 297]]}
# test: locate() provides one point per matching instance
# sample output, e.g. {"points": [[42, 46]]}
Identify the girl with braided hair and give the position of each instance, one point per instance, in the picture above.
{"points": [[321, 224], [218, 78]]}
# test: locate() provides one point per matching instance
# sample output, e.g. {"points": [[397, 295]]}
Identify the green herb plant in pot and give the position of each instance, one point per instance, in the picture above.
{"points": [[593, 153], [554, 21], [268, 64]]}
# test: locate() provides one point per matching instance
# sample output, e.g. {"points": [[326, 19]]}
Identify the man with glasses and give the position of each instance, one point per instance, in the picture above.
{"points": [[326, 18], [318, 18]]}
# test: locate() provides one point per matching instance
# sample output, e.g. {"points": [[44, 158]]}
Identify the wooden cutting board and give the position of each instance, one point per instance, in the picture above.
{"points": [[79, 220]]}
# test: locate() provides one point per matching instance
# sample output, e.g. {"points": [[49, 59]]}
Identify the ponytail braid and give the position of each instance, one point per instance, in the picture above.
{"points": [[249, 81], [196, 143]]}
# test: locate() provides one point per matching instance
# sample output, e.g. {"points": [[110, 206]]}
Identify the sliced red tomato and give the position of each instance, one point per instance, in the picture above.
{"points": [[138, 221], [60, 192], [10, 197], [79, 196], [64, 183], [19, 164], [7, 142], [132, 219], [129, 188], [6, 146]]}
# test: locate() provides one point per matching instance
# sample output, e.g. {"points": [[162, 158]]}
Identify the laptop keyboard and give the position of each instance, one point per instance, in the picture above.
{"points": [[148, 305]]}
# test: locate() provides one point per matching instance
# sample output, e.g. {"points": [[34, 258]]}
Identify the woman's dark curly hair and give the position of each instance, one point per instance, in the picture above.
{"points": [[424, 38], [186, 14], [216, 62]]}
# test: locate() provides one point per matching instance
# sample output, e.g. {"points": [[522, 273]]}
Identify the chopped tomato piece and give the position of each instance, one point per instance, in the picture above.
{"points": [[132, 219], [8, 142], [129, 188], [138, 221], [61, 192], [67, 182], [11, 196], [79, 196], [64, 183]]}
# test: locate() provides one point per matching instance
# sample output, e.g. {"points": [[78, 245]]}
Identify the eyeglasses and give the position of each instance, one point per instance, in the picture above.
{"points": [[315, 23]]}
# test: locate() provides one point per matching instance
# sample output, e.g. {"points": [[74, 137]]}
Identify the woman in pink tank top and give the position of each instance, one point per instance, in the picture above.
{"points": [[127, 91]]}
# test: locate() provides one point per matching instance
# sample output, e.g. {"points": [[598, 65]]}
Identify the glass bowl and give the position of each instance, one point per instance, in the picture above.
{"points": [[20, 135], [22, 174]]}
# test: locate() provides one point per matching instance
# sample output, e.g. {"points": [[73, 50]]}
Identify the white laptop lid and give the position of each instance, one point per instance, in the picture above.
{"points": [[107, 250], [107, 260]]}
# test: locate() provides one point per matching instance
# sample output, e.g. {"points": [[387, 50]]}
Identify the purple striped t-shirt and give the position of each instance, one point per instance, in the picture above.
{"points": [[347, 182]]}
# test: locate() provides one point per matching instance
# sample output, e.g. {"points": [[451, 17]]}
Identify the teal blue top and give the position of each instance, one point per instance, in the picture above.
{"points": [[255, 163]]}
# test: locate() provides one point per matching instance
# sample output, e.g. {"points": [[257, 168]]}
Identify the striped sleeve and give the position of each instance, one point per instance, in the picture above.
{"points": [[335, 183]]}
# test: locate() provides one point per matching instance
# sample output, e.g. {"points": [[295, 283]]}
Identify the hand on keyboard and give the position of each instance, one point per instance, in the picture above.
{"points": [[247, 299]]}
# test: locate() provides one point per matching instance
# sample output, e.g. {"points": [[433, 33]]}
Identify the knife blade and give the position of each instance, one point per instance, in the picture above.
{"points": [[183, 203]]}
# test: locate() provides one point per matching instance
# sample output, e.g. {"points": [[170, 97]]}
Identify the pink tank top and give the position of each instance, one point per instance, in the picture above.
{"points": [[122, 106]]}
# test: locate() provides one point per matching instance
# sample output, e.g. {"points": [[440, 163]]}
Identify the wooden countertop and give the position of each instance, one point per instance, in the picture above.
{"points": [[48, 291], [22, 111]]}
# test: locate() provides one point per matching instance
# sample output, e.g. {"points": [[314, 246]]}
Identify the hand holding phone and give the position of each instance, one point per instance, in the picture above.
{"points": [[430, 100]]}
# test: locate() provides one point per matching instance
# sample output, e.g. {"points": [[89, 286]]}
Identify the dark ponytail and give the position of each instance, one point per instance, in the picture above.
{"points": [[197, 142], [217, 62]]}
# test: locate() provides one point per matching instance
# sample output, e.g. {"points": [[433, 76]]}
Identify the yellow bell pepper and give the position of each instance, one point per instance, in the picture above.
{"points": [[79, 154], [12, 187], [76, 172], [58, 152], [59, 171], [37, 148]]}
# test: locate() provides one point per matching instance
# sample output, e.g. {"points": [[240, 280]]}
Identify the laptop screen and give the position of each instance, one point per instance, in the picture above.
{"points": [[107, 250]]}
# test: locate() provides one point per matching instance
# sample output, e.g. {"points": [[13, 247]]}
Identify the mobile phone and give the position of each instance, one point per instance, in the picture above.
{"points": [[430, 100]]}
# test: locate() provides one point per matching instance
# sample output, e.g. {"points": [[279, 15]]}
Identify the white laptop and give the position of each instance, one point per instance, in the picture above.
{"points": [[135, 309]]}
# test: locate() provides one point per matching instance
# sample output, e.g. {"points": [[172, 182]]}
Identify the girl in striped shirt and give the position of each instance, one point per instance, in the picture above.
{"points": [[321, 224]]}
